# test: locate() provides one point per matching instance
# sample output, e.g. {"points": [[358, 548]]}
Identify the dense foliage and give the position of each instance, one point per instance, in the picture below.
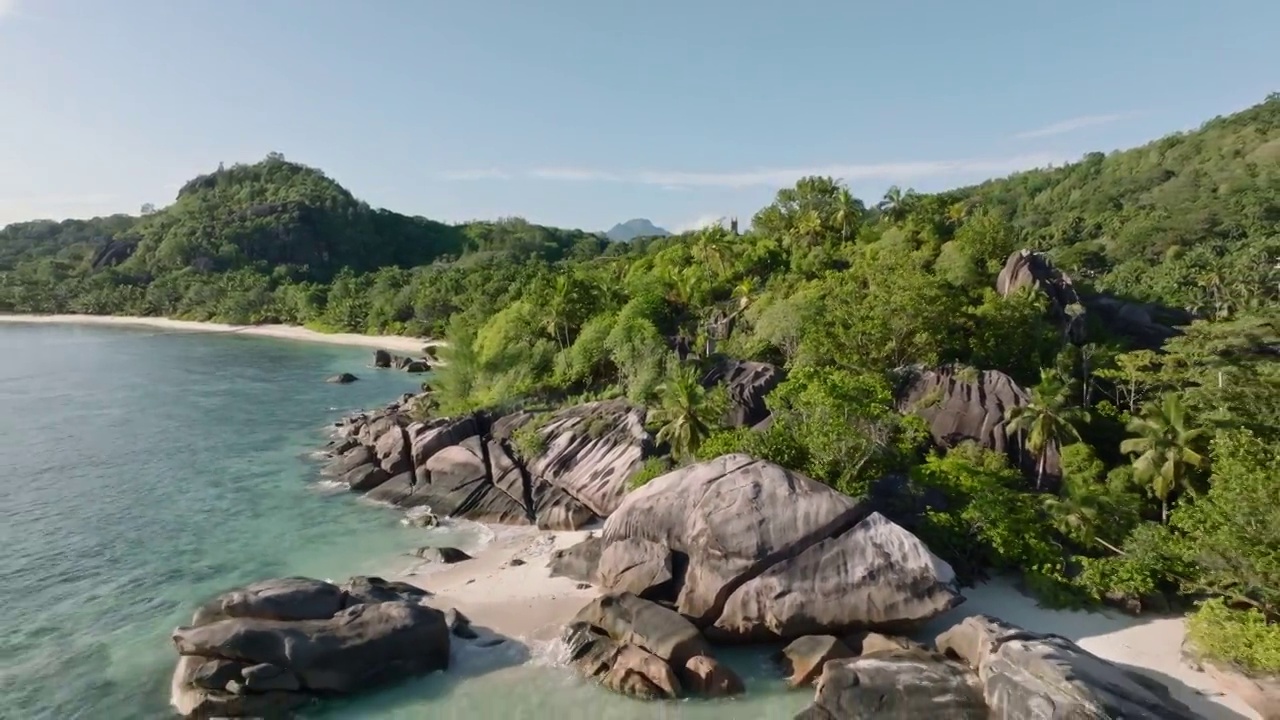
{"points": [[1166, 451]]}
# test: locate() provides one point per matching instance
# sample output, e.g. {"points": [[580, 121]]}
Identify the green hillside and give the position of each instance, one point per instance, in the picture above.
{"points": [[1168, 436]]}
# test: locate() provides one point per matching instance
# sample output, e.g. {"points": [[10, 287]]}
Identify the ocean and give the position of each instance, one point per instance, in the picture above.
{"points": [[144, 471]]}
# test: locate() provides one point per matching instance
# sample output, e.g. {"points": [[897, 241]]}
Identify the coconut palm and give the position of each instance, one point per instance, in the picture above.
{"points": [[1047, 420], [849, 211], [685, 411], [1164, 448]]}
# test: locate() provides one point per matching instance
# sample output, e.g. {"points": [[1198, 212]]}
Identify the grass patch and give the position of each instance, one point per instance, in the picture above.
{"points": [[652, 468]]}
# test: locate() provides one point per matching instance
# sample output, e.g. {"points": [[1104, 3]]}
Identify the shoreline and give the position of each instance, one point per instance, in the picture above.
{"points": [[521, 601], [394, 343]]}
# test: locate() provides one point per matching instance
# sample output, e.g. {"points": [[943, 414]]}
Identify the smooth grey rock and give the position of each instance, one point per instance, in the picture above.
{"points": [[216, 673], [625, 669], [193, 701], [290, 598], [961, 406], [578, 562], [1027, 269], [365, 478], [369, 589], [355, 457], [341, 379], [361, 647], [630, 620], [264, 677], [901, 685], [747, 383], [459, 624], [442, 555], [803, 658], [704, 675], [635, 566], [392, 451], [1030, 675], [749, 529]]}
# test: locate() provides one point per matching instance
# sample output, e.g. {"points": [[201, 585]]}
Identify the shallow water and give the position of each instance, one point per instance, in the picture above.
{"points": [[142, 472]]}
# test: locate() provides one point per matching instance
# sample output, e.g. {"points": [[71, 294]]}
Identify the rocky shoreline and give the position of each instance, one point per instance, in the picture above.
{"points": [[734, 550]]}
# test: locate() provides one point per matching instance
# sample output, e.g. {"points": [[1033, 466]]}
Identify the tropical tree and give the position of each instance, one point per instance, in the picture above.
{"points": [[1047, 420], [897, 203], [849, 212], [1165, 448], [686, 411]]}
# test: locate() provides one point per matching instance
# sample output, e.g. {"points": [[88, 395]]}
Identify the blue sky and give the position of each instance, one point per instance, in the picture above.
{"points": [[584, 113]]}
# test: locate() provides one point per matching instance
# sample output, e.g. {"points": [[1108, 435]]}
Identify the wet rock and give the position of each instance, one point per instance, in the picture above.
{"points": [[624, 669], [341, 379], [630, 620], [365, 478], [902, 685], [704, 675], [443, 555], [802, 660]]}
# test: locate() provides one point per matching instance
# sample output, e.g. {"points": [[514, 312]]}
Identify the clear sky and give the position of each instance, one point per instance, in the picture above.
{"points": [[584, 113]]}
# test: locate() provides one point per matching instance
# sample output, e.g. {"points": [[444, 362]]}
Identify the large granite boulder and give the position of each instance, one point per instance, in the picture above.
{"points": [[1145, 325], [1028, 269], [454, 481], [1030, 675], [967, 405], [769, 554], [271, 647], [624, 669], [803, 659], [645, 650], [635, 566], [589, 451], [579, 562], [747, 384], [903, 685]]}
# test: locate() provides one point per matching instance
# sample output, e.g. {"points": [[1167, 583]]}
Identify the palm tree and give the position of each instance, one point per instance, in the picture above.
{"points": [[848, 211], [1047, 419], [1164, 448], [685, 411], [897, 203]]}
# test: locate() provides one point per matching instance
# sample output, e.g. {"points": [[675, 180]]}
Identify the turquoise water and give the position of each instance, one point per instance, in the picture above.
{"points": [[142, 472]]}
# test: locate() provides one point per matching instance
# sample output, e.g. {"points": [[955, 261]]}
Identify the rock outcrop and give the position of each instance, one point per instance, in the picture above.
{"points": [[762, 553], [384, 359], [271, 647], [901, 685], [747, 384], [1027, 674], [469, 467], [965, 404], [1027, 269], [984, 668], [642, 649], [1145, 325]]}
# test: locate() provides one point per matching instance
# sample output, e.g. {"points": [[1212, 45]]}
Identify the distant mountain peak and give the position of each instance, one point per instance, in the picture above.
{"points": [[635, 228]]}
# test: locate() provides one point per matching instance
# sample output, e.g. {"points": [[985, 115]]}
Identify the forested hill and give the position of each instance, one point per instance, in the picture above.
{"points": [[1153, 446], [273, 212]]}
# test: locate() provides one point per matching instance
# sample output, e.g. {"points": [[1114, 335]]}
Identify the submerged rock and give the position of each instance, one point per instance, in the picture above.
{"points": [[803, 659], [341, 379]]}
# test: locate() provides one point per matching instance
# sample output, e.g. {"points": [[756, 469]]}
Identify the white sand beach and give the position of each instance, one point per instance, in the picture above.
{"points": [[393, 343], [521, 600]]}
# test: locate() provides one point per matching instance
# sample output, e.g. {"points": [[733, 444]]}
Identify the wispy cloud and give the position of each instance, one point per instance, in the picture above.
{"points": [[775, 177], [471, 174], [701, 222], [1071, 125]]}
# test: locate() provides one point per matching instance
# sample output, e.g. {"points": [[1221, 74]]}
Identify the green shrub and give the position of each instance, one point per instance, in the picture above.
{"points": [[529, 440], [1241, 637], [652, 468]]}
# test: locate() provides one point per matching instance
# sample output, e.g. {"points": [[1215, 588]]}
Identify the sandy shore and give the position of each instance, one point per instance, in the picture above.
{"points": [[507, 588], [394, 343]]}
